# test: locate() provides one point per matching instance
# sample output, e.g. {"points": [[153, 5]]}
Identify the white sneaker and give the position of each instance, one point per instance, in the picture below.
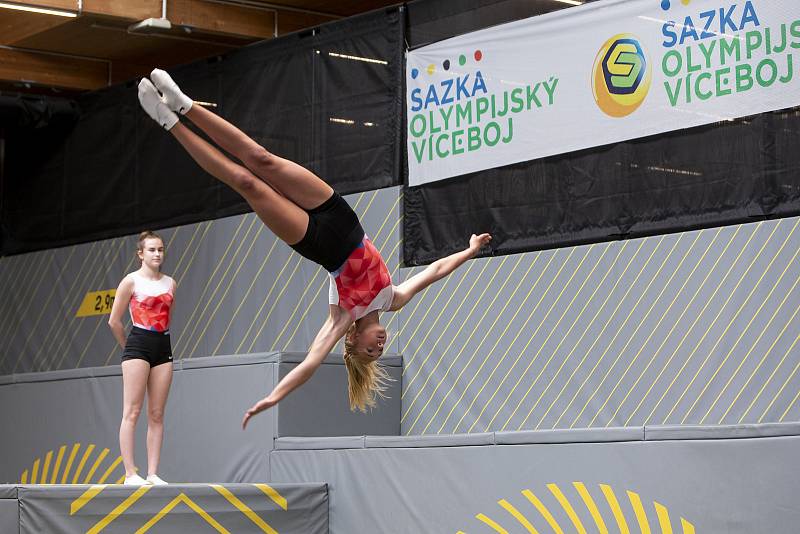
{"points": [[155, 107], [173, 96], [136, 480], [155, 480]]}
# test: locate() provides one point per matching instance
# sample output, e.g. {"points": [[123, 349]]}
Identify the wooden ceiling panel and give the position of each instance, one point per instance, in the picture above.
{"points": [[96, 48]]}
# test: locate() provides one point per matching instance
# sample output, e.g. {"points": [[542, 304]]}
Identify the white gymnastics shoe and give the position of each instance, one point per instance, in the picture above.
{"points": [[136, 480], [173, 96], [154, 106], [155, 480]]}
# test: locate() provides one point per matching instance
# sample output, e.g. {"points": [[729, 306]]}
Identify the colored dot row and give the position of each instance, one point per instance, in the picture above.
{"points": [[665, 4], [462, 60]]}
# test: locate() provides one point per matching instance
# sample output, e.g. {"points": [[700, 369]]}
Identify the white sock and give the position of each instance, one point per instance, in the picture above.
{"points": [[154, 106], [173, 96]]}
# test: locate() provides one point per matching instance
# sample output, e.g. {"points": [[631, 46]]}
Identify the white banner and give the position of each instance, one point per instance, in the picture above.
{"points": [[600, 73]]}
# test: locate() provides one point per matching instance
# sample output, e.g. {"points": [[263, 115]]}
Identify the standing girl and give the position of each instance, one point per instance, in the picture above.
{"points": [[147, 356]]}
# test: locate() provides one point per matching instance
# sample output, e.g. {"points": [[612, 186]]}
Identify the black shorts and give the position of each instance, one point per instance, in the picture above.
{"points": [[152, 347], [333, 233]]}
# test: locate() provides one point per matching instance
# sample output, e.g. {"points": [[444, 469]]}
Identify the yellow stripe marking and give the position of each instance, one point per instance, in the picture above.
{"points": [[566, 335], [589, 324], [92, 280], [198, 335], [497, 528], [542, 345], [35, 472], [562, 500], [564, 263], [502, 335], [247, 294], [64, 308], [616, 509], [46, 467], [518, 516], [490, 330], [57, 466], [791, 404], [698, 316], [95, 465], [663, 518], [82, 463], [110, 469], [182, 498], [242, 507], [590, 504], [771, 376], [785, 383], [624, 323], [688, 528], [84, 499], [453, 338], [733, 320], [202, 296], [433, 323], [675, 324], [655, 328], [55, 285], [320, 286], [21, 309], [120, 480], [478, 324], [273, 494], [638, 509], [711, 324], [643, 320], [24, 478], [119, 509], [543, 510], [75, 448], [763, 359], [611, 316], [299, 300], [264, 302], [277, 300]]}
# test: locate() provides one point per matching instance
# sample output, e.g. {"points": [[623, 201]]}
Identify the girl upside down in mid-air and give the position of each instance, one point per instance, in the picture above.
{"points": [[306, 213]]}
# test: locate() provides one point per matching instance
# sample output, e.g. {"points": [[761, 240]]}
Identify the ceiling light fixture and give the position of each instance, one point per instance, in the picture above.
{"points": [[571, 2], [44, 11]]}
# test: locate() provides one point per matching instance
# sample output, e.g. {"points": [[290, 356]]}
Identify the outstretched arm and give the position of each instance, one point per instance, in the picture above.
{"points": [[436, 271], [331, 332]]}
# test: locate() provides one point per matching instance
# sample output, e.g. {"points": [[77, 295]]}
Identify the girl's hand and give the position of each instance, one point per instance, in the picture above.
{"points": [[260, 406], [476, 242]]}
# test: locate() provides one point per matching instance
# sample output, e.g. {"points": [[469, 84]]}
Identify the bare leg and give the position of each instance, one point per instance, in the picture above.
{"points": [[294, 181], [134, 382], [157, 392], [286, 220]]}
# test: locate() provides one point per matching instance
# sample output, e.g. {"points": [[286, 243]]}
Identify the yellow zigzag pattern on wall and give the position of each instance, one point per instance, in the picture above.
{"points": [[182, 498], [95, 474], [612, 516]]}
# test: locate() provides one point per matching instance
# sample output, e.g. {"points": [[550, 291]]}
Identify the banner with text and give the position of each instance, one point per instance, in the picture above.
{"points": [[600, 73]]}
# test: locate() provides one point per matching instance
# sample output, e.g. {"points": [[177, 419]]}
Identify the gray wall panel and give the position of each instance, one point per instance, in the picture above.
{"points": [[9, 515], [695, 327]]}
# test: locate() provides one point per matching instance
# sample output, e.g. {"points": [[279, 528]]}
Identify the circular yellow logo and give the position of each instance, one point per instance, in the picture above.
{"points": [[622, 76]]}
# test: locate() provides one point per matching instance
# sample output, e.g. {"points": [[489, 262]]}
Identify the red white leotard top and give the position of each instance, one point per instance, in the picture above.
{"points": [[151, 302], [363, 283]]}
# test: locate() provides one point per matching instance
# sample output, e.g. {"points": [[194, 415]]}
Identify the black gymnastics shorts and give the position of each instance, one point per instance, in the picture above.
{"points": [[333, 233], [152, 347]]}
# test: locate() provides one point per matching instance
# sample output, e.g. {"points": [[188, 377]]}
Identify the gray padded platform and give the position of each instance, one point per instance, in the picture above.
{"points": [[615, 483], [177, 508]]}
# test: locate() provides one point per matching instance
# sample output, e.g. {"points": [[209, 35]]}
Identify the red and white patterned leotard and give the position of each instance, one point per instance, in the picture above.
{"points": [[363, 283], [151, 302]]}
